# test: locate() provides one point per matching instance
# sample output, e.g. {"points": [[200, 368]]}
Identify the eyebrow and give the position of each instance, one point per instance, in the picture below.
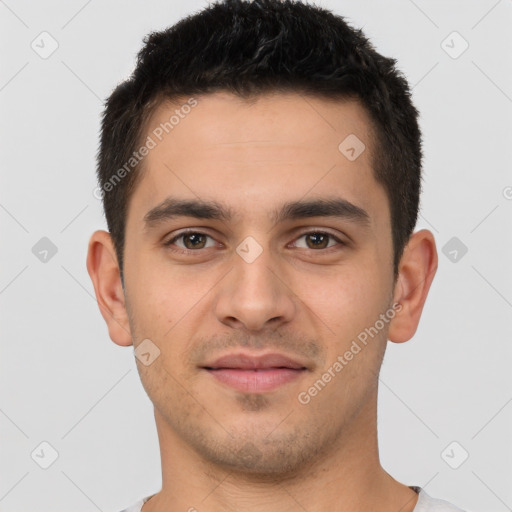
{"points": [[340, 208]]}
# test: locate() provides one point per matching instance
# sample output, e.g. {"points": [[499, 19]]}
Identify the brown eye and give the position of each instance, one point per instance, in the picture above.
{"points": [[318, 240], [190, 241], [193, 240]]}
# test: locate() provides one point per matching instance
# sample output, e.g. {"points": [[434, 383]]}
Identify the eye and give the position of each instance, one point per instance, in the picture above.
{"points": [[318, 240], [192, 240]]}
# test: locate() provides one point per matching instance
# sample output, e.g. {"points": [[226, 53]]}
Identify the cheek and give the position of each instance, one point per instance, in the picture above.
{"points": [[350, 305], [154, 305], [159, 289], [347, 300], [168, 304]]}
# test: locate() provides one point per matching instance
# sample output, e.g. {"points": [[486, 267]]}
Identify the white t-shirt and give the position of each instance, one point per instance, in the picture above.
{"points": [[425, 503]]}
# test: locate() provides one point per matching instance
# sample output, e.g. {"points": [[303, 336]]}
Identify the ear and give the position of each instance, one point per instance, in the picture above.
{"points": [[104, 271], [417, 269]]}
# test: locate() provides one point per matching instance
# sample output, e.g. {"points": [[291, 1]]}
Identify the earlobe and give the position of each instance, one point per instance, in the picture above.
{"points": [[104, 271], [416, 273]]}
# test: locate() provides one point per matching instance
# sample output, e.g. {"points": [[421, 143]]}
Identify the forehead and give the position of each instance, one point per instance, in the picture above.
{"points": [[274, 147], [293, 120]]}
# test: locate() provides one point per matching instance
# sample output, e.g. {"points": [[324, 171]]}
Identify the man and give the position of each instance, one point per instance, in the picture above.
{"points": [[261, 174]]}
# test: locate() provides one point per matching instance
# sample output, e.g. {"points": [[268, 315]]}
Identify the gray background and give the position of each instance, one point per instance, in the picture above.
{"points": [[64, 382]]}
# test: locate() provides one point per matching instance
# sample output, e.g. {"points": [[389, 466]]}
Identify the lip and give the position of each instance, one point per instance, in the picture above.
{"points": [[255, 374], [242, 361]]}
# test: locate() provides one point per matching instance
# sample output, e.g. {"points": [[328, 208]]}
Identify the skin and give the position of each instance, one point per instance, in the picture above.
{"points": [[223, 449]]}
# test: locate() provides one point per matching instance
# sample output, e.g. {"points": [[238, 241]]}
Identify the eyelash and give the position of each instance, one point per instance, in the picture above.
{"points": [[192, 232]]}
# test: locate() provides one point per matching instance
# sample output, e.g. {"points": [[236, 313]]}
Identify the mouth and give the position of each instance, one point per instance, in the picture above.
{"points": [[252, 374]]}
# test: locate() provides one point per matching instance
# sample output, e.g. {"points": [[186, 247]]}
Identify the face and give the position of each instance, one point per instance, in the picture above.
{"points": [[251, 233]]}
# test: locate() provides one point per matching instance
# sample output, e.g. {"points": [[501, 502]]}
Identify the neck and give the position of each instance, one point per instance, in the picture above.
{"points": [[346, 478]]}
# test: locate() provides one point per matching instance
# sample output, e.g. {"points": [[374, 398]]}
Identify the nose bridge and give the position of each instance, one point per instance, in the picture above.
{"points": [[254, 295]]}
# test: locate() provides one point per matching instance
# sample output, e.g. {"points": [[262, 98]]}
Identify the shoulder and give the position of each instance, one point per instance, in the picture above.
{"points": [[428, 504]]}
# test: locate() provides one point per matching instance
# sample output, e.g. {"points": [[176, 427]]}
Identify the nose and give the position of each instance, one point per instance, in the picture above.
{"points": [[255, 294]]}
